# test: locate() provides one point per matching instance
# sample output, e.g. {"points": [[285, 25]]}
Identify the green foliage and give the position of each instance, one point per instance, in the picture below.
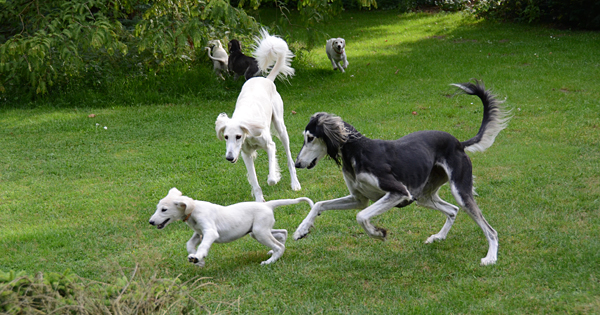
{"points": [[583, 14], [51, 42], [67, 293], [47, 44]]}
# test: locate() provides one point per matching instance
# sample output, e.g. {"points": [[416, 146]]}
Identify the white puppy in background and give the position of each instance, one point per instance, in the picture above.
{"points": [[219, 57], [218, 224], [336, 52]]}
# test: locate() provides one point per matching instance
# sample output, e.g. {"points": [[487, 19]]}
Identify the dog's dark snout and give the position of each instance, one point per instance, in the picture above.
{"points": [[229, 158], [151, 222]]}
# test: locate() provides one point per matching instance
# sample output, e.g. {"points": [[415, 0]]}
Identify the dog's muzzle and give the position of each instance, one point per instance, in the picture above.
{"points": [[230, 159], [160, 226], [311, 165]]}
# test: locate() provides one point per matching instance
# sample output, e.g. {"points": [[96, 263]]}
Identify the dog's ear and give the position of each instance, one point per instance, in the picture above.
{"points": [[254, 129], [220, 125], [185, 204], [175, 192], [336, 133]]}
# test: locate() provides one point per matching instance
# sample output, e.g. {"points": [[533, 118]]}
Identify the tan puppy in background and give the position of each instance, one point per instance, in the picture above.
{"points": [[336, 52]]}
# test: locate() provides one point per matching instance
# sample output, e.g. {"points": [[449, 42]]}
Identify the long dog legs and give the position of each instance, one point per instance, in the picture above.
{"points": [[344, 203]]}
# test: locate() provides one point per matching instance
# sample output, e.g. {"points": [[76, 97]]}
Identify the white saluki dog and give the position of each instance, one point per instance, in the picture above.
{"points": [[396, 173], [219, 57], [218, 224], [257, 107]]}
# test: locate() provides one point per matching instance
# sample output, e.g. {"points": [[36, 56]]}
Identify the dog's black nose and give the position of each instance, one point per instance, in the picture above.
{"points": [[151, 222], [229, 158]]}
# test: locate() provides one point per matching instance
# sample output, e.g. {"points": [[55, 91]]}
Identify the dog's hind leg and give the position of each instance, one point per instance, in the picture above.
{"points": [[267, 238], [468, 203], [280, 235], [282, 134], [461, 186], [344, 203], [256, 190]]}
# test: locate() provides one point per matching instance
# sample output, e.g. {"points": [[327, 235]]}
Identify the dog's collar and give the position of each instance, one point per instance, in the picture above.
{"points": [[187, 217]]}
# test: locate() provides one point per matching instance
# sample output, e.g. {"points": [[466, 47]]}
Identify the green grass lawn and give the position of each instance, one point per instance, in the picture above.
{"points": [[76, 192]]}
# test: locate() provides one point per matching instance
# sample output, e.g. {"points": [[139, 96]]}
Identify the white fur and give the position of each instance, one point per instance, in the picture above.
{"points": [[259, 107], [218, 224], [336, 52], [219, 57]]}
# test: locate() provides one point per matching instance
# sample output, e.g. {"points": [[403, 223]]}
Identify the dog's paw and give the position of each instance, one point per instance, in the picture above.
{"points": [[296, 186], [300, 233], [193, 259], [434, 238], [272, 180], [380, 233], [486, 261]]}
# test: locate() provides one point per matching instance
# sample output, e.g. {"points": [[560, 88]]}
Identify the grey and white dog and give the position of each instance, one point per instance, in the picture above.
{"points": [[218, 224], [336, 52]]}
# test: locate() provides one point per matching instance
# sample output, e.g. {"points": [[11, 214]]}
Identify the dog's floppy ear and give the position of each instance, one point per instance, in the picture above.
{"points": [[335, 133], [254, 129], [175, 192], [185, 203], [220, 125]]}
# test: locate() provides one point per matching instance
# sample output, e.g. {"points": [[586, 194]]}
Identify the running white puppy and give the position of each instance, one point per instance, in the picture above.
{"points": [[336, 52], [218, 224], [219, 57], [257, 107]]}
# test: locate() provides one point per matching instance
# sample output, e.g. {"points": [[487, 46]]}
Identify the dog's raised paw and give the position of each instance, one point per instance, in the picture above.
{"points": [[299, 235], [193, 259]]}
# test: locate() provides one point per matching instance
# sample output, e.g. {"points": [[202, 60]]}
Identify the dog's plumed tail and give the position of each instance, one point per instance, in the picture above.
{"points": [[284, 202], [272, 51], [495, 117]]}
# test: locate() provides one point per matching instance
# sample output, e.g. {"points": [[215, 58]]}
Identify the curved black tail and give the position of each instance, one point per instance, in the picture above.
{"points": [[495, 117]]}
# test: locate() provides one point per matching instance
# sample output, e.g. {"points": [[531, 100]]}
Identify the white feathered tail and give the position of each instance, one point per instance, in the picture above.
{"points": [[272, 51]]}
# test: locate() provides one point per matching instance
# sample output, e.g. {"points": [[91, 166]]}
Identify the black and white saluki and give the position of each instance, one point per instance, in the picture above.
{"points": [[397, 173]]}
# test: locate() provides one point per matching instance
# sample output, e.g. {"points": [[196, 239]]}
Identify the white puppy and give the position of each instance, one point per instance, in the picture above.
{"points": [[257, 107], [336, 52], [219, 57], [217, 224]]}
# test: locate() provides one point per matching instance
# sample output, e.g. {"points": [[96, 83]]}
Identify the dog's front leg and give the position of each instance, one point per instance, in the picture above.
{"points": [[192, 244], [333, 63], [208, 239], [344, 203], [382, 205], [256, 190]]}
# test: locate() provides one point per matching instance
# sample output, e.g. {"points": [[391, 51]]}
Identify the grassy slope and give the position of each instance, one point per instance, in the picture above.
{"points": [[74, 195]]}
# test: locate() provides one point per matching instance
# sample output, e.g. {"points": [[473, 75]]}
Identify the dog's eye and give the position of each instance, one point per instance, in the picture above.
{"points": [[226, 137], [238, 137], [310, 138], [164, 210]]}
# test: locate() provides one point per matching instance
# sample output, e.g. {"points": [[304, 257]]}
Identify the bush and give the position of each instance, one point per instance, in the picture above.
{"points": [[582, 14], [67, 293]]}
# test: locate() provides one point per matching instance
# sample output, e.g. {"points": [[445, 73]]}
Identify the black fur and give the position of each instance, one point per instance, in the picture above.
{"points": [[400, 172], [240, 64]]}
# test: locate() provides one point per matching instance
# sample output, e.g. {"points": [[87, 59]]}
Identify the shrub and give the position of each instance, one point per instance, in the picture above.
{"points": [[67, 293], [583, 14]]}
